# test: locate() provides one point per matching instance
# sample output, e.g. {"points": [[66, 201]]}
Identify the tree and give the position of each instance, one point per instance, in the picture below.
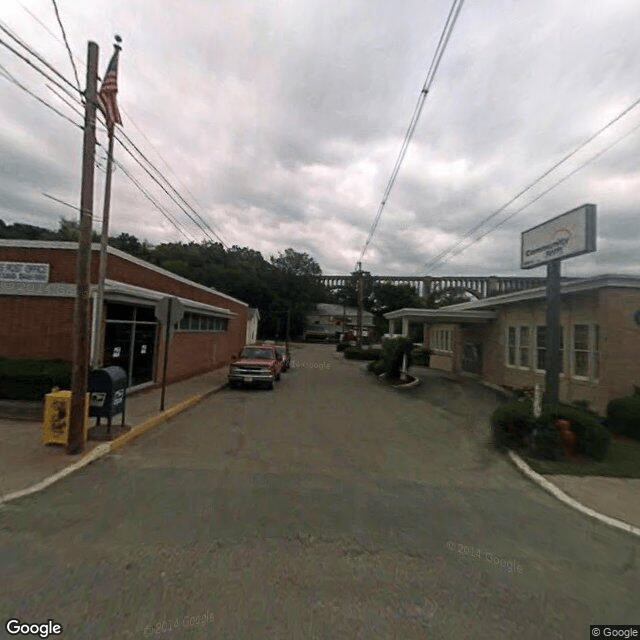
{"points": [[295, 263], [127, 243], [389, 297]]}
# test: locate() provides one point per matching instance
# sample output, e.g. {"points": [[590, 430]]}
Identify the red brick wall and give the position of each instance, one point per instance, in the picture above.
{"points": [[33, 327], [38, 327]]}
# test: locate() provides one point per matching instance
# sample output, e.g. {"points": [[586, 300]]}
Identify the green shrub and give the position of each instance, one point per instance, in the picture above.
{"points": [[546, 443], [357, 353], [623, 416], [32, 379], [376, 366], [593, 438], [393, 352], [511, 423]]}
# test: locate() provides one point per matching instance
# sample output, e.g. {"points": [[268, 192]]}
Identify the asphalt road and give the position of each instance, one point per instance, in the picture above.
{"points": [[331, 507]]}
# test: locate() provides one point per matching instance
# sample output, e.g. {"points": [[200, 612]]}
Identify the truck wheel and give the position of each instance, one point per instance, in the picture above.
{"points": [[278, 377], [270, 385]]}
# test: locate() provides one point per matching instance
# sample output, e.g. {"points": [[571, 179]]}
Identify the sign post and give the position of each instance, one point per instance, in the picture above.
{"points": [[565, 236], [169, 312]]}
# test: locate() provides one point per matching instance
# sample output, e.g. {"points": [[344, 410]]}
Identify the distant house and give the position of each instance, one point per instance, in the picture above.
{"points": [[328, 321], [253, 317]]}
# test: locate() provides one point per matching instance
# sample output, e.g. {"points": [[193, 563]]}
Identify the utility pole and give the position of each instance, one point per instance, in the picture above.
{"points": [[360, 303], [76, 434]]}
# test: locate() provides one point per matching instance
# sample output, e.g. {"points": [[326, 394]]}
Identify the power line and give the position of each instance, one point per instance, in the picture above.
{"points": [[544, 193], [66, 44], [163, 187], [439, 258], [73, 97], [11, 78], [433, 68], [204, 222], [151, 199], [38, 57]]}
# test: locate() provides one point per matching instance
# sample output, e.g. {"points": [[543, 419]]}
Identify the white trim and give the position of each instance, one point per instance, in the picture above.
{"points": [[73, 246], [119, 291]]}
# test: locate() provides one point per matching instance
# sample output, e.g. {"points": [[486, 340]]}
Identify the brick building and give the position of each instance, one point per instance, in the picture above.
{"points": [[502, 338], [37, 297]]}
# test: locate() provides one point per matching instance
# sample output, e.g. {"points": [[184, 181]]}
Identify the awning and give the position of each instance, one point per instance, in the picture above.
{"points": [[120, 292]]}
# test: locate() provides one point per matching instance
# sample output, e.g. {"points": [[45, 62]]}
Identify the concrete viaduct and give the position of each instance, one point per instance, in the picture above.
{"points": [[478, 286]]}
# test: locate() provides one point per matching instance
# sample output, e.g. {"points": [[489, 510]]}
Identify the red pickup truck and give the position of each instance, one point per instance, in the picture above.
{"points": [[256, 365]]}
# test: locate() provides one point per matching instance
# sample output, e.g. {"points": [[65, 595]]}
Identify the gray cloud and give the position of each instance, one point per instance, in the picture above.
{"points": [[284, 121]]}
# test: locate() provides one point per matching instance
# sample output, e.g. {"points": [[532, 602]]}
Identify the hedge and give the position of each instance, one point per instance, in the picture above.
{"points": [[357, 353], [32, 379], [513, 425], [623, 416], [420, 356]]}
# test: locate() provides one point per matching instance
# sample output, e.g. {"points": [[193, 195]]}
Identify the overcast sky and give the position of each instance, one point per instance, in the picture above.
{"points": [[281, 122]]}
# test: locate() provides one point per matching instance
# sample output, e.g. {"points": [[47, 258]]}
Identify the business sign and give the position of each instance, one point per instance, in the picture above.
{"points": [[24, 272], [565, 236]]}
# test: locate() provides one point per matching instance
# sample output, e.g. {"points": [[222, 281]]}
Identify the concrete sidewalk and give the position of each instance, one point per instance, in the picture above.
{"points": [[25, 461]]}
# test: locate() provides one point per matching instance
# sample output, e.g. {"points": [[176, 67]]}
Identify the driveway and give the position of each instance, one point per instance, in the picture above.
{"points": [[331, 507]]}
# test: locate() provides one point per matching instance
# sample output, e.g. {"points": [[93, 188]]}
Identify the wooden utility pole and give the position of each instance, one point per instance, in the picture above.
{"points": [[76, 434], [360, 303]]}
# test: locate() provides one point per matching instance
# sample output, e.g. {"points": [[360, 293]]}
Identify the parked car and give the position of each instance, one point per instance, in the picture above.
{"points": [[256, 365], [284, 356]]}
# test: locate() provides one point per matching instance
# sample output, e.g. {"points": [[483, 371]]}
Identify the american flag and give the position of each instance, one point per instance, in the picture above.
{"points": [[108, 91]]}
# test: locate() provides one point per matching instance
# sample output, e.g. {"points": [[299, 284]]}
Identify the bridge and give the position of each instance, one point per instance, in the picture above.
{"points": [[478, 286]]}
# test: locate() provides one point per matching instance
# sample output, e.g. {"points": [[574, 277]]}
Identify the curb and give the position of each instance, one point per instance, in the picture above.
{"points": [[102, 450], [409, 385], [568, 500]]}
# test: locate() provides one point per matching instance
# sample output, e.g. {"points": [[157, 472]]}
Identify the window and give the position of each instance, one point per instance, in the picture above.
{"points": [[199, 322], [524, 346], [519, 347], [585, 357], [511, 347], [442, 340], [581, 350]]}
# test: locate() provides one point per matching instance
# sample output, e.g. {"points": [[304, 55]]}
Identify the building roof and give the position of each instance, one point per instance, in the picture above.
{"points": [[73, 246], [327, 309], [466, 311]]}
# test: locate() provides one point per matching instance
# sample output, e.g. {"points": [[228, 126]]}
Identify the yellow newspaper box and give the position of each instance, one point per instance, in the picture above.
{"points": [[57, 406]]}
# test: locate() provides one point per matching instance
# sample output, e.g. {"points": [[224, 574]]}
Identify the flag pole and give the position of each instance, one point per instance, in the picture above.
{"points": [[98, 354]]}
